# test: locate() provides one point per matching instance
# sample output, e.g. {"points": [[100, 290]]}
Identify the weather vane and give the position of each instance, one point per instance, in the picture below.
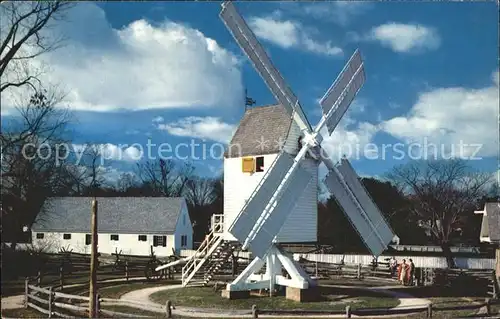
{"points": [[248, 100]]}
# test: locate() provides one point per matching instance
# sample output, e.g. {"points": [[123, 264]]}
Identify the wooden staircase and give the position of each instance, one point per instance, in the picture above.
{"points": [[219, 260], [211, 257], [493, 286]]}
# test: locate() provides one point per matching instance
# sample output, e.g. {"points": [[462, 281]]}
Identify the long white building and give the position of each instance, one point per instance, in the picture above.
{"points": [[131, 225]]}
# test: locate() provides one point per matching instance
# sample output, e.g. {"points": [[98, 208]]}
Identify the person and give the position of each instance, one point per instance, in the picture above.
{"points": [[403, 270], [393, 265], [412, 272]]}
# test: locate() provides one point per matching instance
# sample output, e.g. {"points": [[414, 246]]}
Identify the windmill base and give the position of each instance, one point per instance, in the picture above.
{"points": [[299, 285]]}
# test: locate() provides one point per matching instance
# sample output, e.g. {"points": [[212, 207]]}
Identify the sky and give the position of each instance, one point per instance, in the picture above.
{"points": [[171, 73]]}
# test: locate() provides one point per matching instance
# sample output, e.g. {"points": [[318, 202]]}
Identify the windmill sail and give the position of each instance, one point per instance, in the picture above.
{"points": [[261, 62], [378, 220], [371, 226], [343, 91], [271, 226]]}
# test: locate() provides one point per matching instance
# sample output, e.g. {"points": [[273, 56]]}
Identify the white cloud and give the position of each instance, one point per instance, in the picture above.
{"points": [[290, 34], [340, 12], [210, 128], [350, 142], [405, 37], [158, 119], [451, 116], [108, 151], [139, 66]]}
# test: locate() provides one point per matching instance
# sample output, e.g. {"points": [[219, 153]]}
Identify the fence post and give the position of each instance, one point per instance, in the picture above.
{"points": [[126, 270], [39, 278], [316, 271], [488, 306], [97, 305], [359, 271], [51, 300], [168, 309], [348, 311], [61, 277], [26, 283], [429, 310], [255, 311]]}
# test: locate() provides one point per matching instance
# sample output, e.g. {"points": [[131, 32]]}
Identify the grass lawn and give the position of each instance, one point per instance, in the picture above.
{"points": [[22, 313], [205, 297], [16, 286], [366, 282]]}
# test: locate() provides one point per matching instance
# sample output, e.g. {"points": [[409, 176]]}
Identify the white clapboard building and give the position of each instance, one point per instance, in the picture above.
{"points": [[490, 225], [261, 135], [131, 225]]}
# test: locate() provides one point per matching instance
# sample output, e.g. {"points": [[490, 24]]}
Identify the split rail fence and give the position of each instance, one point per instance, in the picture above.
{"points": [[54, 303], [60, 270], [368, 312]]}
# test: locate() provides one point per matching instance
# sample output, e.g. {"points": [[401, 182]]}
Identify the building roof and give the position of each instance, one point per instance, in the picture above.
{"points": [[124, 215], [493, 221], [270, 123]]}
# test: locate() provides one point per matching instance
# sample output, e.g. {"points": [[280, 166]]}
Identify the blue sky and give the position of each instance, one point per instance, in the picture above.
{"points": [[171, 72]]}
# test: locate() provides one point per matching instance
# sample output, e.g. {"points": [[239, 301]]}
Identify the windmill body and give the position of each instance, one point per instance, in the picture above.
{"points": [[264, 132]]}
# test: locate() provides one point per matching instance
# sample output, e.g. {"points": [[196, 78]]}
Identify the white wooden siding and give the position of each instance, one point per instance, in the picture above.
{"points": [[301, 225], [129, 244], [183, 229]]}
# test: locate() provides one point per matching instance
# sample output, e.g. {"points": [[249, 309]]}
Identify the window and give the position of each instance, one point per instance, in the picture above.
{"points": [[247, 165], [143, 238], [88, 239], [160, 241], [67, 236], [184, 240], [114, 237], [39, 235], [259, 164]]}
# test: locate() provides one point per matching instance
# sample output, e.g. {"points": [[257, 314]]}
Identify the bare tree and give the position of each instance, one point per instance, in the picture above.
{"points": [[22, 38], [91, 164], [39, 119], [126, 182], [200, 191], [443, 194], [165, 178], [33, 162]]}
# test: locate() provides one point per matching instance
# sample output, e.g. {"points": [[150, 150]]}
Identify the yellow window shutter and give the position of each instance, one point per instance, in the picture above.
{"points": [[248, 165]]}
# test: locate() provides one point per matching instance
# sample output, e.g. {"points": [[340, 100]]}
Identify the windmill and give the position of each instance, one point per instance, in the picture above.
{"points": [[267, 208], [265, 211]]}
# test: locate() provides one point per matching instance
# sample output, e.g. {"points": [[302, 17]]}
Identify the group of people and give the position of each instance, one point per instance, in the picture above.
{"points": [[405, 271]]}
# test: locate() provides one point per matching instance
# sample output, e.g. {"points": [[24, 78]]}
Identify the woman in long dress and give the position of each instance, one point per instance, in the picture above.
{"points": [[403, 272]]}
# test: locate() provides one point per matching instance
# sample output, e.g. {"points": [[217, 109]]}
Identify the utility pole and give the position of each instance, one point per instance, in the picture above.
{"points": [[93, 264]]}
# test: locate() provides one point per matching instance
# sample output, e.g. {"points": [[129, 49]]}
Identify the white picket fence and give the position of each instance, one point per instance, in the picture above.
{"points": [[419, 261]]}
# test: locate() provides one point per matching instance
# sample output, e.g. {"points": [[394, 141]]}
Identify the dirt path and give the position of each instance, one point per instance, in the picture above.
{"points": [[406, 301], [13, 302]]}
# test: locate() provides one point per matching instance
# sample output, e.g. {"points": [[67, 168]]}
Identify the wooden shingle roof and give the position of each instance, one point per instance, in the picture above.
{"points": [[121, 215], [260, 132]]}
